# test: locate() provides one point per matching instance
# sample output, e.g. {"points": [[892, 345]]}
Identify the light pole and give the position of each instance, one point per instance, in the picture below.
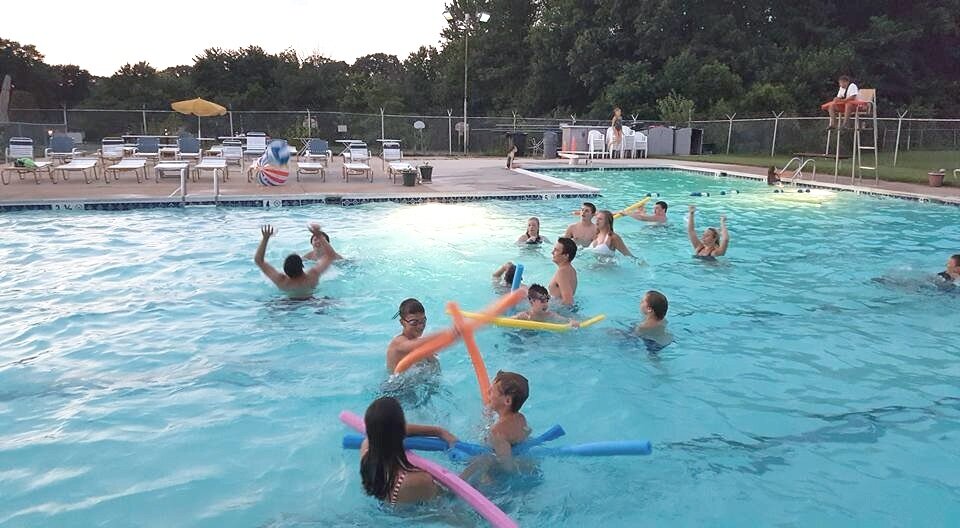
{"points": [[467, 23]]}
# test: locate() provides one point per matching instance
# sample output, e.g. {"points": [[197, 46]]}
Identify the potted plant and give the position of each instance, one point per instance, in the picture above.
{"points": [[936, 177], [409, 177], [426, 172]]}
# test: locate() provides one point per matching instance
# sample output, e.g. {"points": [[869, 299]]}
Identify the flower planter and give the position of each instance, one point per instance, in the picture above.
{"points": [[935, 179], [409, 179], [426, 174]]}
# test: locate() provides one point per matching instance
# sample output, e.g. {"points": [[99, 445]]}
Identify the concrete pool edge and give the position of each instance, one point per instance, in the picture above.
{"points": [[720, 173]]}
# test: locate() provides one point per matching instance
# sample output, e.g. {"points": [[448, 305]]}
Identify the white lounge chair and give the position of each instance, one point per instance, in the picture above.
{"points": [[312, 167], [213, 165], [640, 143], [317, 149], [111, 150], [397, 168], [134, 165], [256, 144], [596, 144], [61, 148], [19, 147], [79, 165], [359, 155], [391, 153], [232, 152]]}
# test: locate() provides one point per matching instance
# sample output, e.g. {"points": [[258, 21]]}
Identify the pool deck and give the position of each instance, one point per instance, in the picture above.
{"points": [[453, 178]]}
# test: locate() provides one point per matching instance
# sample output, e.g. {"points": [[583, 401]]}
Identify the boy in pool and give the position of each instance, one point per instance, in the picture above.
{"points": [[413, 321], [653, 306], [659, 213], [298, 284], [504, 276], [951, 276], [317, 252], [507, 394], [539, 310], [772, 177]]}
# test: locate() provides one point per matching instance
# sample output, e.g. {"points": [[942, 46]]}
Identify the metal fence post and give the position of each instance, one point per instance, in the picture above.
{"points": [[309, 124], [231, 123], [896, 146], [382, 133], [65, 129], [450, 131], [776, 124], [143, 110], [730, 131]]}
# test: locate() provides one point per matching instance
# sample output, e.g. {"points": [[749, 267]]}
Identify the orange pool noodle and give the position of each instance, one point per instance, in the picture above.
{"points": [[466, 330]]}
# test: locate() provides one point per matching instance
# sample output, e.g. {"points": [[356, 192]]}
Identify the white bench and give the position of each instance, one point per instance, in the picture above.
{"points": [[79, 165], [574, 157], [126, 165]]}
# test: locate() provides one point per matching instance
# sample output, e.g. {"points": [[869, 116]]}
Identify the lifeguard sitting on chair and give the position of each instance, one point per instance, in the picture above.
{"points": [[845, 102]]}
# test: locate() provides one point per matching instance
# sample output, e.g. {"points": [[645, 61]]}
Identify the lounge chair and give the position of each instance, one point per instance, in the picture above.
{"points": [[111, 150], [640, 144], [396, 168], [596, 144], [19, 147], [148, 148], [232, 152], [317, 149], [391, 152], [312, 167], [359, 155], [256, 144], [135, 166], [213, 165], [189, 148], [61, 148], [79, 165]]}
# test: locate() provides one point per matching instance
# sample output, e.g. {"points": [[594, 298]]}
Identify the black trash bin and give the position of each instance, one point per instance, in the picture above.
{"points": [[519, 140], [549, 145]]}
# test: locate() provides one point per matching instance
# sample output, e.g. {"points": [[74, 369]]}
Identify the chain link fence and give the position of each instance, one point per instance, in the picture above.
{"points": [[431, 134]]}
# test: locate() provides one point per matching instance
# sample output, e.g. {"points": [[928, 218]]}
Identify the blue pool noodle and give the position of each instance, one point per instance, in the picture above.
{"points": [[517, 277], [614, 448], [465, 449]]}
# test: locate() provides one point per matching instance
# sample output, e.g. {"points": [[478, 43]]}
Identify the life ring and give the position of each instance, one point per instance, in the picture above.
{"points": [[474, 498], [524, 324], [447, 338]]}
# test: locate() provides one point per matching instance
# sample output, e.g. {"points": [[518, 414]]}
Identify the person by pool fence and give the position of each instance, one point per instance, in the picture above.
{"points": [[444, 134]]}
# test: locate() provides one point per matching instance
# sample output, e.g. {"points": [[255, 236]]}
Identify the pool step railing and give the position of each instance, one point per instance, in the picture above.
{"points": [[798, 172]]}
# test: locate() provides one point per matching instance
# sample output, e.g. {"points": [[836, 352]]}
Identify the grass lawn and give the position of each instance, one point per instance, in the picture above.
{"points": [[911, 166]]}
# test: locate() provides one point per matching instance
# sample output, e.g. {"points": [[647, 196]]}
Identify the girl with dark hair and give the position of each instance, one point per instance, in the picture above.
{"points": [[384, 469]]}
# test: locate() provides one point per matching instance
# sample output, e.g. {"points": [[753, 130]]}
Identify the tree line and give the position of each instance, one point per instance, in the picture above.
{"points": [[554, 58]]}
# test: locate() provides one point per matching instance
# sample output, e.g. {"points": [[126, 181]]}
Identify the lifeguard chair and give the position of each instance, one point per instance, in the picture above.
{"points": [[864, 113]]}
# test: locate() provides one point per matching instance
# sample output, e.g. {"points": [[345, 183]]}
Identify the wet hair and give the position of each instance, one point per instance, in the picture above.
{"points": [[515, 386], [409, 306], [569, 248], [663, 204], [293, 266], [509, 273], [326, 236], [658, 303], [386, 429], [772, 171], [716, 234], [956, 259], [593, 208], [538, 289], [609, 216], [845, 78], [538, 225]]}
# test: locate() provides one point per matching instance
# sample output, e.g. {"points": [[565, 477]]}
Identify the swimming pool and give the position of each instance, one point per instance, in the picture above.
{"points": [[150, 376]]}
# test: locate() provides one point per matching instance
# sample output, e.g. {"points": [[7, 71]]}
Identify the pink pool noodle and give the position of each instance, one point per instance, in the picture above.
{"points": [[484, 507]]}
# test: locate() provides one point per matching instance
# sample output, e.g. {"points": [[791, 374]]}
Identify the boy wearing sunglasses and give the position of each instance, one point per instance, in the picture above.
{"points": [[413, 321]]}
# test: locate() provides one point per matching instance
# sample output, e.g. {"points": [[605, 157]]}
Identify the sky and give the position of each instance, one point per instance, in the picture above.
{"points": [[103, 35]]}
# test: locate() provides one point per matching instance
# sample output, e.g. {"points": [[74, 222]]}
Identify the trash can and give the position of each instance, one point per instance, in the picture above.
{"points": [[550, 145], [519, 140], [426, 174], [409, 178]]}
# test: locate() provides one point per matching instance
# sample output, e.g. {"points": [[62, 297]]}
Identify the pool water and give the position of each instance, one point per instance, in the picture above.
{"points": [[150, 376]]}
